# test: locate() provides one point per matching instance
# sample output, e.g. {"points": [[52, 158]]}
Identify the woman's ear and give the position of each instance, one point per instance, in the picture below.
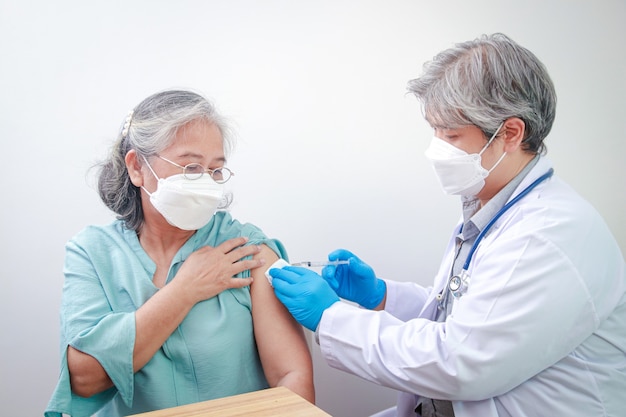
{"points": [[514, 130], [133, 165]]}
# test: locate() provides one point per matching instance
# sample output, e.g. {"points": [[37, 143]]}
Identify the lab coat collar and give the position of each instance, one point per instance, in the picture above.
{"points": [[543, 165]]}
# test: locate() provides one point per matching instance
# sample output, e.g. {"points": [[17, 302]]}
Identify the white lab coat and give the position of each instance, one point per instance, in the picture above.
{"points": [[540, 331]]}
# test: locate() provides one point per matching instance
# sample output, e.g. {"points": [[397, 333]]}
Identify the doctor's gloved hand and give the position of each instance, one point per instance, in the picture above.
{"points": [[305, 294], [355, 281]]}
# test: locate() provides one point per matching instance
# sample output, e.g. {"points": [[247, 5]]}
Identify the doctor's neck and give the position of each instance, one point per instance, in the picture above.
{"points": [[503, 174]]}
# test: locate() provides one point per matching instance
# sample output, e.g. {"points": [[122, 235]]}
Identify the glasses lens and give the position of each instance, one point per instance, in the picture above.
{"points": [[193, 171], [221, 175]]}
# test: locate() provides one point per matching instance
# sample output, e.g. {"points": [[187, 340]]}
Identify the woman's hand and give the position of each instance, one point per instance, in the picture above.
{"points": [[211, 270], [204, 274]]}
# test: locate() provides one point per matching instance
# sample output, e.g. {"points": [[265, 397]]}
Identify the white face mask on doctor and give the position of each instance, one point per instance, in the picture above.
{"points": [[188, 204], [459, 173]]}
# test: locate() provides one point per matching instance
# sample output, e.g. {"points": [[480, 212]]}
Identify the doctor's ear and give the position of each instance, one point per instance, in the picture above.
{"points": [[133, 165], [514, 131]]}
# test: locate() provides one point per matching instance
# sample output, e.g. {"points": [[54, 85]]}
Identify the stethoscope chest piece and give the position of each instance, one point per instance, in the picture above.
{"points": [[458, 284]]}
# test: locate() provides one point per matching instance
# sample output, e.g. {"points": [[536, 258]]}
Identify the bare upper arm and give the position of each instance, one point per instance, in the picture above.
{"points": [[280, 339]]}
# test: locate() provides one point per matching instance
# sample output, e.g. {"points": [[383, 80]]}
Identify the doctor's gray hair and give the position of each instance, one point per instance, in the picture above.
{"points": [[484, 82], [148, 129]]}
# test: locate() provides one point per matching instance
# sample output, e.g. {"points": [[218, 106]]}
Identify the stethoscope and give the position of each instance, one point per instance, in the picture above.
{"points": [[458, 284]]}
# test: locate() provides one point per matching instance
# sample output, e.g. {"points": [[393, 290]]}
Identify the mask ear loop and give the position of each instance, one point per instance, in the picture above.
{"points": [[489, 143], [490, 139], [153, 173], [497, 163]]}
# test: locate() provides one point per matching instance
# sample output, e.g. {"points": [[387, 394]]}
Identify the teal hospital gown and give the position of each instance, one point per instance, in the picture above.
{"points": [[211, 354]]}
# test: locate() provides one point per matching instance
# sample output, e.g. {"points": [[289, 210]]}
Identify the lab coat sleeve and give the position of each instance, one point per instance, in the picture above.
{"points": [[528, 306], [377, 346], [89, 325], [405, 300]]}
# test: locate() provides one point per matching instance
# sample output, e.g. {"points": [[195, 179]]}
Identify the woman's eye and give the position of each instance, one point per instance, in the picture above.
{"points": [[195, 169], [217, 174]]}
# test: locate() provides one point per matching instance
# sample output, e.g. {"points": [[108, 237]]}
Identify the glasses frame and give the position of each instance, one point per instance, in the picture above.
{"points": [[209, 171]]}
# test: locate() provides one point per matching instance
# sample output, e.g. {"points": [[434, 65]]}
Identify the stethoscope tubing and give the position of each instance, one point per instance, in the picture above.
{"points": [[460, 282], [503, 210]]}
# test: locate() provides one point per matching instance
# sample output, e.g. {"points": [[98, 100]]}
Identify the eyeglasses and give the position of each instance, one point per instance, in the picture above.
{"points": [[195, 171]]}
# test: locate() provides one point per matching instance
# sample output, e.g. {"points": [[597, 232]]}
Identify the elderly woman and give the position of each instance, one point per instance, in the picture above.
{"points": [[169, 305]]}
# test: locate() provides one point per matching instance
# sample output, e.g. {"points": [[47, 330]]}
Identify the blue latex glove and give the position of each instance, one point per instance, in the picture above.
{"points": [[305, 294], [355, 281]]}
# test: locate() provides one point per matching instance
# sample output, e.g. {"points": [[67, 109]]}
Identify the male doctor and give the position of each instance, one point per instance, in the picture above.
{"points": [[526, 314]]}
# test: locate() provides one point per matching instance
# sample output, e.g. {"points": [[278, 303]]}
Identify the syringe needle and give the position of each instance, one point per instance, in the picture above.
{"points": [[318, 264]]}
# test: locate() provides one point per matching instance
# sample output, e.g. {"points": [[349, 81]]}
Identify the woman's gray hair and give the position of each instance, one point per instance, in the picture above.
{"points": [[484, 82], [149, 129]]}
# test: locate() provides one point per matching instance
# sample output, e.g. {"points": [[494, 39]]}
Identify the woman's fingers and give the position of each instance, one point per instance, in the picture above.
{"points": [[230, 244], [239, 282], [211, 270], [235, 251]]}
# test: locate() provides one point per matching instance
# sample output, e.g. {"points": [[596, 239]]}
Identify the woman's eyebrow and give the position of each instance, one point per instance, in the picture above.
{"points": [[195, 155]]}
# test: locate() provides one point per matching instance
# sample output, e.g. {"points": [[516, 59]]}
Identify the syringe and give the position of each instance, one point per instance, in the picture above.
{"points": [[319, 264]]}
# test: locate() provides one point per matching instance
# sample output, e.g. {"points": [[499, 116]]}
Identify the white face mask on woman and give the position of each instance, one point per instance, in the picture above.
{"points": [[459, 173], [184, 203]]}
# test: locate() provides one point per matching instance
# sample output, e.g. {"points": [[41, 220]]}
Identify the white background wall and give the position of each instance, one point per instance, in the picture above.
{"points": [[331, 147]]}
